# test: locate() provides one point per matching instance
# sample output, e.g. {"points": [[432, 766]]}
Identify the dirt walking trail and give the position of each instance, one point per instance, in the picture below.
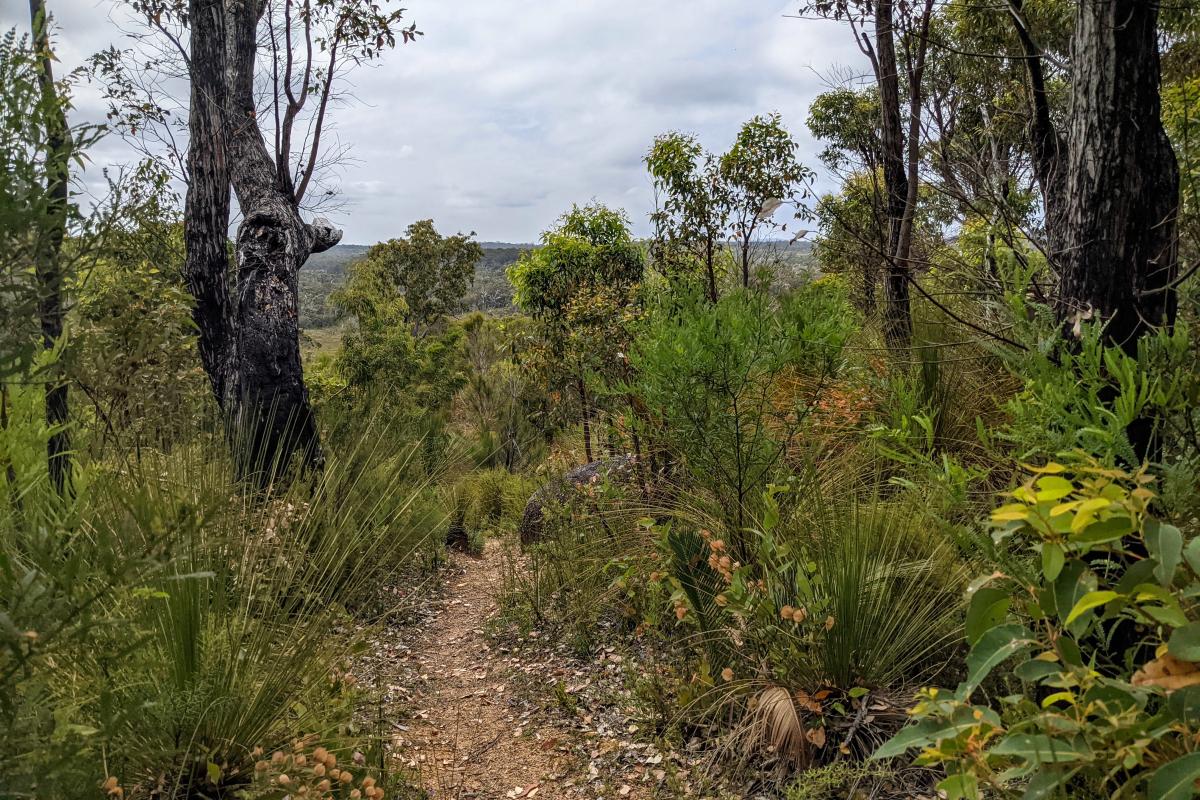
{"points": [[469, 735]]}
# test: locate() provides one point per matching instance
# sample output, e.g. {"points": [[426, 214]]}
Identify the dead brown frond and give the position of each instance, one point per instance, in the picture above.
{"points": [[773, 727]]}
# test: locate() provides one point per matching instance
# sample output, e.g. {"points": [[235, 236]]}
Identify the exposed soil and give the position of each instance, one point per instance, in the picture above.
{"points": [[522, 717], [470, 736]]}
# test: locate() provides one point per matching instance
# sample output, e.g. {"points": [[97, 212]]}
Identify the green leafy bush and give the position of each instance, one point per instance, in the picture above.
{"points": [[717, 379], [1101, 622]]}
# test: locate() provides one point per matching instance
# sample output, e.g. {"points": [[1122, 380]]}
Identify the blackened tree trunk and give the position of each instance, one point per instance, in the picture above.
{"points": [[206, 207], [249, 342], [1119, 242], [265, 392], [48, 264], [587, 418], [1047, 146], [897, 312]]}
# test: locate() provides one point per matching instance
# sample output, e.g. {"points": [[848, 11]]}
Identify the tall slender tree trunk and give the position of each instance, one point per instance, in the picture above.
{"points": [[710, 265], [48, 264], [745, 254], [587, 419], [897, 312], [1048, 148], [206, 206], [1119, 240]]}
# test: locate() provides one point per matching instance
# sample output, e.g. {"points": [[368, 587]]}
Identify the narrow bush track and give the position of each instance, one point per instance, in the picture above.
{"points": [[469, 736]]}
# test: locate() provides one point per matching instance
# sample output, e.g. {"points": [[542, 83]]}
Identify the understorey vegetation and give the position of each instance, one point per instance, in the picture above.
{"points": [[890, 491]]}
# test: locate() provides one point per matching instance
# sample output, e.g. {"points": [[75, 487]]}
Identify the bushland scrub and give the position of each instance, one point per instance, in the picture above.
{"points": [[890, 492]]}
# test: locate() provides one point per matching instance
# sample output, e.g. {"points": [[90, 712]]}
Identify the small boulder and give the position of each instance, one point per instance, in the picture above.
{"points": [[619, 469]]}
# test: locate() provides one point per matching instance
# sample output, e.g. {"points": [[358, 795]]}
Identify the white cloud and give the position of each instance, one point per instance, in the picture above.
{"points": [[508, 111]]}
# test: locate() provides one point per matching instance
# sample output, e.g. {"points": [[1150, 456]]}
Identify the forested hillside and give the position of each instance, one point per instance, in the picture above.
{"points": [[489, 289], [850, 450]]}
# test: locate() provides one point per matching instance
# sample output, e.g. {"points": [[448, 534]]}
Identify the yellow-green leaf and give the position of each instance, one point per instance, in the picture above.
{"points": [[1052, 487], [1088, 602], [1058, 697]]}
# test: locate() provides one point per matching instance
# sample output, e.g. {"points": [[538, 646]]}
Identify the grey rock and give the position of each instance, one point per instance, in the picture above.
{"points": [[620, 469]]}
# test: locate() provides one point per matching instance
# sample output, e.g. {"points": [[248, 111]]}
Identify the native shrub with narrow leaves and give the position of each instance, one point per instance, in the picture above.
{"points": [[1102, 624]]}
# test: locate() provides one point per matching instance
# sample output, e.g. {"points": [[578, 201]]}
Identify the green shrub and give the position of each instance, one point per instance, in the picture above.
{"points": [[1087, 395], [588, 568], [1101, 625], [717, 379], [838, 593]]}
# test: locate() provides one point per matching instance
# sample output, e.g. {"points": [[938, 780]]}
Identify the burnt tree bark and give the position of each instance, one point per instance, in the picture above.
{"points": [[1047, 146], [48, 265], [586, 412], [206, 206], [1119, 240], [1122, 179], [250, 338], [897, 311], [268, 401], [1111, 183]]}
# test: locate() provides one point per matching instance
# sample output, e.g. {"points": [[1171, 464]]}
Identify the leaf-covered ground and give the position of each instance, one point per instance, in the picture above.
{"points": [[476, 715]]}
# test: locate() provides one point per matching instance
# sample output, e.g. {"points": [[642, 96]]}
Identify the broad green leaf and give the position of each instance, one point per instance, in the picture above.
{"points": [[1139, 572], [1045, 782], [1093, 504], [1052, 560], [1098, 533], [1112, 697], [993, 648], [1165, 544], [1052, 487], [1184, 704], [988, 608], [1034, 670], [1175, 780], [919, 735], [1191, 554], [963, 786], [1185, 642], [1041, 749], [1171, 615], [1088, 602], [1073, 583], [1108, 530]]}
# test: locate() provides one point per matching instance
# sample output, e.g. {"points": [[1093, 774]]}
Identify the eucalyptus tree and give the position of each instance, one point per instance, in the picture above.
{"points": [[579, 286], [852, 221], [249, 333], [899, 41], [706, 202], [432, 272], [693, 207], [762, 174], [38, 147]]}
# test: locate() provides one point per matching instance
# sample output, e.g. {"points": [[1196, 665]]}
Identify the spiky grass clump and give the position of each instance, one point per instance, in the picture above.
{"points": [[192, 617]]}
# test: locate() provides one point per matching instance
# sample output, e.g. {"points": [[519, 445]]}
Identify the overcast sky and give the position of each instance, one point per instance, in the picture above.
{"points": [[508, 111]]}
